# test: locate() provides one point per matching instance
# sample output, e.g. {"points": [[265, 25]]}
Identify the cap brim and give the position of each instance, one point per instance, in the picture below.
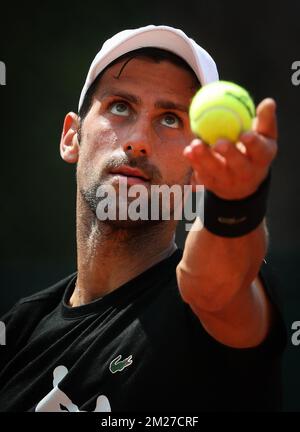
{"points": [[163, 37]]}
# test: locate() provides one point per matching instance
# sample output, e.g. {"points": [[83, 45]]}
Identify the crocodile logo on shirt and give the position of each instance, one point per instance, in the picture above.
{"points": [[117, 365]]}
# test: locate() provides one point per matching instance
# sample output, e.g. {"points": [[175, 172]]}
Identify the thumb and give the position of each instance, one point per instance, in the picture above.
{"points": [[266, 121]]}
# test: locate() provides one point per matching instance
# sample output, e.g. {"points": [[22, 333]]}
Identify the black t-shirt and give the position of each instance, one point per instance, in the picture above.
{"points": [[139, 348]]}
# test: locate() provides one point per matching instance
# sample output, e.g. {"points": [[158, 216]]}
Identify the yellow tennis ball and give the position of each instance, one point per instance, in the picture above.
{"points": [[221, 109]]}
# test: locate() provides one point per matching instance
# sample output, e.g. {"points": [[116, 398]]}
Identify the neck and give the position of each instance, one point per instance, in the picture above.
{"points": [[109, 256]]}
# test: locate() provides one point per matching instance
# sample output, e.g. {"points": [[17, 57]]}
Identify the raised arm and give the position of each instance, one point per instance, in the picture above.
{"points": [[218, 276]]}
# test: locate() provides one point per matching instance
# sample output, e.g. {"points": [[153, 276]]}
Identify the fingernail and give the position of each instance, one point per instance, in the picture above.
{"points": [[195, 142], [187, 150], [247, 136]]}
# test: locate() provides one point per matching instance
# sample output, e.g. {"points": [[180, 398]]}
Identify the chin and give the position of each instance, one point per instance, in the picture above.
{"points": [[130, 224]]}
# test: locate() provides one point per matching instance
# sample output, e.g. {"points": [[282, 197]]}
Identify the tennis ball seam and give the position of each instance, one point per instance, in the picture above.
{"points": [[222, 107], [241, 101]]}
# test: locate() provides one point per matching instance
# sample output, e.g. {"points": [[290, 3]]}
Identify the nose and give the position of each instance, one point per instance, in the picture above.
{"points": [[138, 142]]}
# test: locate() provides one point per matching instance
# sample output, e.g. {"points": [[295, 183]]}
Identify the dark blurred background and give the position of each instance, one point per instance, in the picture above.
{"points": [[47, 49]]}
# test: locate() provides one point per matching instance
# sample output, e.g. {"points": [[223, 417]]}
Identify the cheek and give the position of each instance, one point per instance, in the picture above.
{"points": [[98, 141], [100, 136], [96, 146]]}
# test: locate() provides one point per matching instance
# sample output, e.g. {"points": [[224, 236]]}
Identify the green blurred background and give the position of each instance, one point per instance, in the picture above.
{"points": [[47, 49]]}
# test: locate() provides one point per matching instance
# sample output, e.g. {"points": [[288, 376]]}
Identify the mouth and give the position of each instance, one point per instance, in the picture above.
{"points": [[132, 174]]}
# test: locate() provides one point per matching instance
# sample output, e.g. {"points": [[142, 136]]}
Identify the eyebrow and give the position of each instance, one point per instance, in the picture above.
{"points": [[171, 105], [163, 104]]}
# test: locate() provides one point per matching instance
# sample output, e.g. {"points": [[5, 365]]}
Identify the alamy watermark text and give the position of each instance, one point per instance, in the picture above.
{"points": [[2, 73], [2, 333]]}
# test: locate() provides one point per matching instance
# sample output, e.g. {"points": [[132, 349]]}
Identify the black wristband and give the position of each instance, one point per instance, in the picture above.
{"points": [[235, 218]]}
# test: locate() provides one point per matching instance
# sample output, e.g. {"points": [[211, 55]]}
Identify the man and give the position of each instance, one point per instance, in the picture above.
{"points": [[141, 326]]}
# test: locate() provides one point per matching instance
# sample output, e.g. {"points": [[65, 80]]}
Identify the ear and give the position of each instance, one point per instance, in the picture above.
{"points": [[69, 144]]}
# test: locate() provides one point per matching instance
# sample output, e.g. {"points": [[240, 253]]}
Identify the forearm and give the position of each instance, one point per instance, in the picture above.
{"points": [[221, 265], [216, 277]]}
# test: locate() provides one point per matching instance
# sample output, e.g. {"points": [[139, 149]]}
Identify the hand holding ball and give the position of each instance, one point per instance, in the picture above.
{"points": [[221, 110]]}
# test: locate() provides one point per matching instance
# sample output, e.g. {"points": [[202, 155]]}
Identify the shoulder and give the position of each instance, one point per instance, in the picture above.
{"points": [[22, 319], [51, 291], [45, 299]]}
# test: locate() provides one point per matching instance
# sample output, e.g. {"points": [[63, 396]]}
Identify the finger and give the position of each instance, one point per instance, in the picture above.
{"points": [[259, 149], [207, 179], [197, 180], [236, 161], [266, 121], [201, 157]]}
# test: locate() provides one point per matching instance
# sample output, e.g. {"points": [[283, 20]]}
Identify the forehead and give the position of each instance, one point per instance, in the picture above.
{"points": [[148, 77]]}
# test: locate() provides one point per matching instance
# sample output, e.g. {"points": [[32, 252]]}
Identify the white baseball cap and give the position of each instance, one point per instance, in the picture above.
{"points": [[164, 37]]}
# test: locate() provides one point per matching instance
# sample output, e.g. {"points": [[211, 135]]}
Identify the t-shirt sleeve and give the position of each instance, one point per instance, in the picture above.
{"points": [[251, 377], [259, 369]]}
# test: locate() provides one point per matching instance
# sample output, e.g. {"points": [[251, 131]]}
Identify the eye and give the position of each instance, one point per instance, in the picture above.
{"points": [[171, 121], [119, 108]]}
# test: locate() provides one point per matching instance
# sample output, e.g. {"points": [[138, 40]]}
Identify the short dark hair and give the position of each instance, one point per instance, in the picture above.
{"points": [[155, 54]]}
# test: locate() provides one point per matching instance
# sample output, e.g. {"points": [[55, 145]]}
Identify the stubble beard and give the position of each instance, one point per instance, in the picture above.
{"points": [[91, 201]]}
